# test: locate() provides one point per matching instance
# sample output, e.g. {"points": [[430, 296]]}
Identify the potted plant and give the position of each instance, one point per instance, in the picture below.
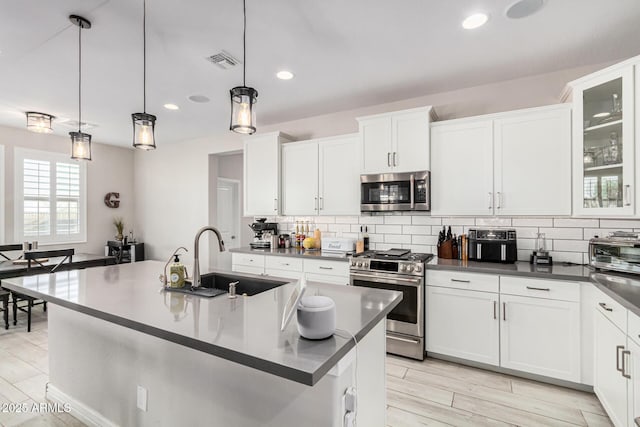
{"points": [[119, 224]]}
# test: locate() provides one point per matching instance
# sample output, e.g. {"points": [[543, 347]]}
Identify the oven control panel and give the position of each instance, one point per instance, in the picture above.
{"points": [[384, 266]]}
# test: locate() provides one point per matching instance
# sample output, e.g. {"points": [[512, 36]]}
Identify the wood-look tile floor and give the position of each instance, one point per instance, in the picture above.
{"points": [[429, 393]]}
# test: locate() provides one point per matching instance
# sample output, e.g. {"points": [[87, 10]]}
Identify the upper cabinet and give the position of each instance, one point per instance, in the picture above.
{"points": [[321, 177], [262, 174], [395, 142], [604, 154], [513, 163]]}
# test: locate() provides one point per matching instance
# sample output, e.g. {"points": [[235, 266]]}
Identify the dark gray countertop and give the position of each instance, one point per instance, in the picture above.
{"points": [[9, 269], [245, 330], [292, 252], [558, 271]]}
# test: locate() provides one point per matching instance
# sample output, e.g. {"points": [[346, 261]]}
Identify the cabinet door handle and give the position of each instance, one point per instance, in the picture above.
{"points": [[499, 194], [394, 159], [618, 366], [412, 184], [325, 268], [285, 263], [389, 159], [461, 281], [315, 203], [624, 364], [275, 205], [538, 289], [604, 306], [627, 195], [490, 200], [504, 311], [321, 203], [495, 311]]}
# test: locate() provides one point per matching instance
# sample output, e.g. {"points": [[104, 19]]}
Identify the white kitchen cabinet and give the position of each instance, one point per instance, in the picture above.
{"points": [[318, 270], [321, 177], [262, 174], [339, 176], [462, 323], [609, 384], [604, 143], [300, 178], [532, 157], [462, 168], [633, 369], [540, 336], [512, 163], [395, 142]]}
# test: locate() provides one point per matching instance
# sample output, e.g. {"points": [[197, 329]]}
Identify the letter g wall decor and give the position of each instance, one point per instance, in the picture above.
{"points": [[112, 200]]}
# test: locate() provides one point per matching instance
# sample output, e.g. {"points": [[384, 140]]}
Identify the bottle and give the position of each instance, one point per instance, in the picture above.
{"points": [[613, 148], [297, 236], [176, 273], [366, 238], [317, 235], [360, 242], [307, 232]]}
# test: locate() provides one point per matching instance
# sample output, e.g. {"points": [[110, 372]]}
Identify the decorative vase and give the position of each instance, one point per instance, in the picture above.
{"points": [[119, 237]]}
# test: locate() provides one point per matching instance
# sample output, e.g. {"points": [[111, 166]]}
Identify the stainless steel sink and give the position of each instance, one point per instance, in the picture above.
{"points": [[214, 284]]}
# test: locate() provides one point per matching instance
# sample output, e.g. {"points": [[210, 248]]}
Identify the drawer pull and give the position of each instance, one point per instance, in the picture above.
{"points": [[504, 311], [285, 263], [624, 364], [250, 260], [325, 268], [538, 289], [618, 367], [461, 281], [495, 303], [604, 306]]}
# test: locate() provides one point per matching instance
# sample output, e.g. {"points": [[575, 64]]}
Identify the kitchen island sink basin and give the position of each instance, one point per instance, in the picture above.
{"points": [[214, 284]]}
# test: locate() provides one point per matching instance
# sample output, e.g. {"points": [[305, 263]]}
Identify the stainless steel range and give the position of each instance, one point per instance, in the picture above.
{"points": [[403, 271]]}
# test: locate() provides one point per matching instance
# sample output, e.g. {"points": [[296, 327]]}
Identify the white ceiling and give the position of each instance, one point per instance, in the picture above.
{"points": [[345, 54]]}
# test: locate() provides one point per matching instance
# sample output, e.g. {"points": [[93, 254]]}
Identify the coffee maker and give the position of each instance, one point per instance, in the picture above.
{"points": [[263, 231]]}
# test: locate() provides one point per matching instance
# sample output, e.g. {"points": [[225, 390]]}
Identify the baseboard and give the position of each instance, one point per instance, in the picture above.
{"points": [[525, 375], [78, 409]]}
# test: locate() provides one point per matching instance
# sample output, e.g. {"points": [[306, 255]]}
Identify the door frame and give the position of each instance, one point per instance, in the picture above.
{"points": [[238, 184]]}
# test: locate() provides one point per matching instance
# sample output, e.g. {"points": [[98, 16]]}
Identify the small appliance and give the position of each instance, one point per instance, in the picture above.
{"points": [[541, 256], [395, 192], [403, 271], [316, 317], [492, 245], [263, 231], [620, 251]]}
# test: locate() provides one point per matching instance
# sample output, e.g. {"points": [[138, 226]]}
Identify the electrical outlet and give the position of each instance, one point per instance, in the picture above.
{"points": [[142, 398]]}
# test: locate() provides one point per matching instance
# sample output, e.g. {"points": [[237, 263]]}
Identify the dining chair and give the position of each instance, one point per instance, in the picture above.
{"points": [[33, 262]]}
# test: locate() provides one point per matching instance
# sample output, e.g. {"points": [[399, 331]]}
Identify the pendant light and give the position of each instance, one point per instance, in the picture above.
{"points": [[80, 141], [144, 124], [39, 122], [243, 98]]}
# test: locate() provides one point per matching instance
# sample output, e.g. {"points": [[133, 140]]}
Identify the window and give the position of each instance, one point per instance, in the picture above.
{"points": [[50, 197]]}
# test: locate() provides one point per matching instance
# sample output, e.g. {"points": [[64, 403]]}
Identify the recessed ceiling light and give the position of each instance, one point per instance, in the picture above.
{"points": [[474, 21], [171, 107], [600, 115], [284, 75], [524, 8], [199, 99]]}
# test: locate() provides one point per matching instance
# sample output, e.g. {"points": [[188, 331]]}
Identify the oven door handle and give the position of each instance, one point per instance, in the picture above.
{"points": [[387, 279], [408, 340]]}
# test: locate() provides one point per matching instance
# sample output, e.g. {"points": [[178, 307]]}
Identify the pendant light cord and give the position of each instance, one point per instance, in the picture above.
{"points": [[144, 56], [80, 78], [244, 44]]}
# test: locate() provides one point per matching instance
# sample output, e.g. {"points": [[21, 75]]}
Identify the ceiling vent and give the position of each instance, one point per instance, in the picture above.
{"points": [[223, 60]]}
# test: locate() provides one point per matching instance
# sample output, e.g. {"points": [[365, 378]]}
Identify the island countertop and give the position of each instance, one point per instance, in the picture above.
{"points": [[245, 330]]}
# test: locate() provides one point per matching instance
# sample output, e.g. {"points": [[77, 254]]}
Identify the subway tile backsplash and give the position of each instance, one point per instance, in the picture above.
{"points": [[567, 238]]}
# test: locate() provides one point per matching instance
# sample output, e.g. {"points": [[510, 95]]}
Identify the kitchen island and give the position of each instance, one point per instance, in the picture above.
{"points": [[215, 361]]}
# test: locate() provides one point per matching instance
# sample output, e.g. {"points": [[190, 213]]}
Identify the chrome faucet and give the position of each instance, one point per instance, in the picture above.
{"points": [[195, 280]]}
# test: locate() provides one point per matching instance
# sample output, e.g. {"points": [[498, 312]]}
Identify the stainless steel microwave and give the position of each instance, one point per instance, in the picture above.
{"points": [[395, 192]]}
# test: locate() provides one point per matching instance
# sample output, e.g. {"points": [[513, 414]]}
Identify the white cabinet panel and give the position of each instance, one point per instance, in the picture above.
{"points": [[532, 158], [286, 274], [339, 176], [323, 278], [284, 263], [375, 143], [462, 169], [540, 288], [247, 269], [609, 384], [540, 336], [410, 134], [468, 281], [300, 178], [249, 260], [262, 174], [463, 324], [633, 369], [329, 268]]}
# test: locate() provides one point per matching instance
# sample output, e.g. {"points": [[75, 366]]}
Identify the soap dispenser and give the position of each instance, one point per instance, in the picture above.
{"points": [[177, 273]]}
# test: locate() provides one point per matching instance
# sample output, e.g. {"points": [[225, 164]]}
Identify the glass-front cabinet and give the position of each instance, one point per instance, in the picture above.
{"points": [[604, 159]]}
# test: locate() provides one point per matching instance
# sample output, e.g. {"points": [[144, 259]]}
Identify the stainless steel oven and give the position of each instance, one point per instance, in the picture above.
{"points": [[405, 323], [395, 192]]}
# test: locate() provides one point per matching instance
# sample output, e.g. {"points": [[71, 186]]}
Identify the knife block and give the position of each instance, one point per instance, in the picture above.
{"points": [[446, 250]]}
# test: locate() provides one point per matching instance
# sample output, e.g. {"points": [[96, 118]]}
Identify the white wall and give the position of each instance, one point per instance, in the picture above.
{"points": [[176, 175], [110, 170]]}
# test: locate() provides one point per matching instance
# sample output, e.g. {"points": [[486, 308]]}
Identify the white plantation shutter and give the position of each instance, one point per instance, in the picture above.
{"points": [[53, 193]]}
